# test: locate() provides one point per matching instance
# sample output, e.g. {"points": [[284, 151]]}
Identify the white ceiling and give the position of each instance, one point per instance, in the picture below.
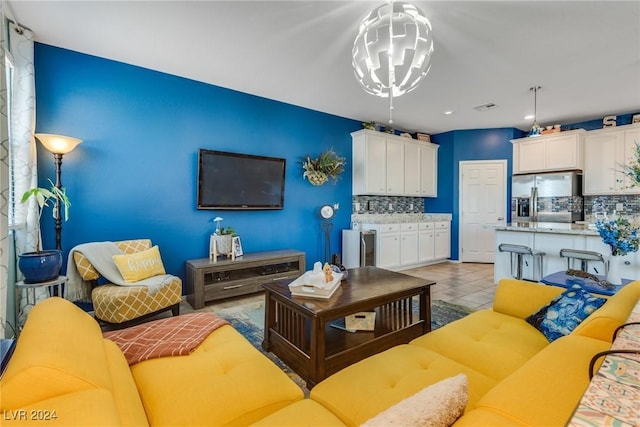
{"points": [[584, 54]]}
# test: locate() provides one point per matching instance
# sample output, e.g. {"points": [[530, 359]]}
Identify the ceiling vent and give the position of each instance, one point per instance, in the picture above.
{"points": [[485, 107]]}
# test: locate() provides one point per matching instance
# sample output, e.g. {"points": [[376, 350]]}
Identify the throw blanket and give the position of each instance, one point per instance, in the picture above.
{"points": [[173, 336], [100, 255]]}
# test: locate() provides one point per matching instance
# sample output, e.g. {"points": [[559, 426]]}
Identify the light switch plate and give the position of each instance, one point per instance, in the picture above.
{"points": [[619, 207]]}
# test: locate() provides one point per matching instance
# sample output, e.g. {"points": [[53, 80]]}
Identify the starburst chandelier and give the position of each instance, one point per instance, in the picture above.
{"points": [[392, 51]]}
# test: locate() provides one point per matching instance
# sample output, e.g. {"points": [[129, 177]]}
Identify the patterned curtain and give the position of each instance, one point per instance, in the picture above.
{"points": [[4, 179], [19, 164], [21, 129]]}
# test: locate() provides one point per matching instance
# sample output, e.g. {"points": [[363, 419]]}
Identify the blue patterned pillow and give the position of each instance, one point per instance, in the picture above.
{"points": [[565, 312]]}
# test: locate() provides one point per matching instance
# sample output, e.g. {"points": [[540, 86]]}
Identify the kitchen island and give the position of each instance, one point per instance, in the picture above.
{"points": [[550, 238]]}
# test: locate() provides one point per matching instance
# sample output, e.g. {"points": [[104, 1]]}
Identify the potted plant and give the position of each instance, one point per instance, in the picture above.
{"points": [[223, 237], [43, 265], [328, 165]]}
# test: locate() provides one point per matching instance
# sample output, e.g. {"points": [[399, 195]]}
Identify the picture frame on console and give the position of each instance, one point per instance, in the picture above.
{"points": [[237, 247]]}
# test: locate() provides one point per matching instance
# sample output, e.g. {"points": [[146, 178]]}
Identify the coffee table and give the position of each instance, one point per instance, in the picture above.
{"points": [[298, 331]]}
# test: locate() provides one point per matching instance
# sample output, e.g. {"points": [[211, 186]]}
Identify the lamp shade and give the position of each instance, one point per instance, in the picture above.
{"points": [[393, 48], [57, 144]]}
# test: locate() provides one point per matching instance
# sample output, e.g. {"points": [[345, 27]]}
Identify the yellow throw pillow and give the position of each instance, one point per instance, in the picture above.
{"points": [[140, 265]]}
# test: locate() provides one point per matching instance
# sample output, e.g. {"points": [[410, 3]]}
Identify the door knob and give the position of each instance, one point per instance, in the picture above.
{"points": [[500, 219]]}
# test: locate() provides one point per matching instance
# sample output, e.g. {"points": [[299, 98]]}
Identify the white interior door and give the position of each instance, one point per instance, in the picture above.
{"points": [[483, 205]]}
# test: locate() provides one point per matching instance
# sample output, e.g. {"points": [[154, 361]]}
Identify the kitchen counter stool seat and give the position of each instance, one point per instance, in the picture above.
{"points": [[584, 257], [518, 255]]}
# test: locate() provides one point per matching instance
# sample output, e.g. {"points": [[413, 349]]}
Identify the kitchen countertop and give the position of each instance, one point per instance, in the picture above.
{"points": [[549, 227], [399, 218]]}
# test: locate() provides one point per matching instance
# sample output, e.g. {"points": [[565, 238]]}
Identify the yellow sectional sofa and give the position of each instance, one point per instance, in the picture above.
{"points": [[515, 376], [63, 372]]}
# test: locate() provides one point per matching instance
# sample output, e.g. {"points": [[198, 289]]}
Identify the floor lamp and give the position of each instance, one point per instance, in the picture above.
{"points": [[59, 145]]}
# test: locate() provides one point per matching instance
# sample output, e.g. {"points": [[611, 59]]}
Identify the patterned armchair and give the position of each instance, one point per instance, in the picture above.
{"points": [[123, 306]]}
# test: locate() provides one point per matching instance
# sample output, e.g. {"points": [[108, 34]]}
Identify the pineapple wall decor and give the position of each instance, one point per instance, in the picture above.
{"points": [[328, 165]]}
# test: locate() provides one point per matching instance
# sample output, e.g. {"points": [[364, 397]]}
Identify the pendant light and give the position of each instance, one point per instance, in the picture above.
{"points": [[535, 130], [392, 51]]}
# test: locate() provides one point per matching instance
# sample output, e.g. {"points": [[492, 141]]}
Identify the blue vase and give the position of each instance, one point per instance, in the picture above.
{"points": [[40, 266]]}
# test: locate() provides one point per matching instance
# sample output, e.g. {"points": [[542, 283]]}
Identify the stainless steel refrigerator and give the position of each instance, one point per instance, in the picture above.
{"points": [[547, 197], [358, 248]]}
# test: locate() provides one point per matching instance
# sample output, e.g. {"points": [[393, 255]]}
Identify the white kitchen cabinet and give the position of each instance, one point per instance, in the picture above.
{"points": [[408, 243], [395, 167], [369, 164], [546, 153], [429, 170], [386, 164], [412, 168], [387, 244], [442, 240], [426, 242], [605, 151]]}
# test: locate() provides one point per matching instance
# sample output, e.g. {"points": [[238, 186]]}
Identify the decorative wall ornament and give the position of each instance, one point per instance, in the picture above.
{"points": [[392, 51], [328, 165]]}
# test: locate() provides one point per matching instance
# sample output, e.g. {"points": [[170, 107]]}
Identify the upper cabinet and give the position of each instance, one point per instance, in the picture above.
{"points": [[385, 164], [547, 153], [605, 152]]}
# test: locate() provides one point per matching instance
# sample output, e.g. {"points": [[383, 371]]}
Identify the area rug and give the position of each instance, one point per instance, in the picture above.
{"points": [[248, 319]]}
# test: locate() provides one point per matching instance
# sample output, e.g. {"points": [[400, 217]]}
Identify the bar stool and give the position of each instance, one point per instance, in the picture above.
{"points": [[584, 257], [518, 252]]}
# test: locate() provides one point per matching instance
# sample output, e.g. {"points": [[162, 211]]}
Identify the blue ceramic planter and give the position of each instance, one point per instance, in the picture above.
{"points": [[40, 266]]}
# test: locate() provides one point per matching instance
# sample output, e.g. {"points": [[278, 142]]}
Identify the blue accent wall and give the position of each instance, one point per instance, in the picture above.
{"points": [[461, 145], [134, 176]]}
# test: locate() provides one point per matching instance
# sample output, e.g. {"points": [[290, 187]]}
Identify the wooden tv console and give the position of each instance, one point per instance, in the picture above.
{"points": [[209, 281]]}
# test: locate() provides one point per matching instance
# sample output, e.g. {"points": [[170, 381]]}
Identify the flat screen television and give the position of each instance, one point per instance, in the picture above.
{"points": [[239, 181]]}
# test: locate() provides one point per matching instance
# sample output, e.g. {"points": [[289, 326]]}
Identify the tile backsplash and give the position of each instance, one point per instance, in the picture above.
{"points": [[593, 205], [598, 205], [386, 204], [561, 204]]}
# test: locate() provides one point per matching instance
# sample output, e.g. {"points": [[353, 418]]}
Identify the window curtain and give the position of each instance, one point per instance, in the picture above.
{"points": [[22, 116], [18, 140], [4, 180]]}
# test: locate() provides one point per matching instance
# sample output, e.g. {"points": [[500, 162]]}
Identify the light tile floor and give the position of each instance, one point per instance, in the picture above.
{"points": [[467, 284]]}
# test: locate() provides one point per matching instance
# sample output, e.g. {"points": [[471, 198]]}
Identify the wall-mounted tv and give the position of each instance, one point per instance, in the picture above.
{"points": [[239, 181]]}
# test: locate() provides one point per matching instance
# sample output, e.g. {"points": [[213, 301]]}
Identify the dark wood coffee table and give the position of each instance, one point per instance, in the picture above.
{"points": [[298, 331]]}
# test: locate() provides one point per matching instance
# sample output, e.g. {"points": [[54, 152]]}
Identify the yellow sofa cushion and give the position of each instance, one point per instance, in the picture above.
{"points": [[140, 265], [305, 412], [224, 381], [488, 342], [519, 298], [545, 390], [603, 322], [362, 390], [125, 393], [62, 362], [46, 364]]}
